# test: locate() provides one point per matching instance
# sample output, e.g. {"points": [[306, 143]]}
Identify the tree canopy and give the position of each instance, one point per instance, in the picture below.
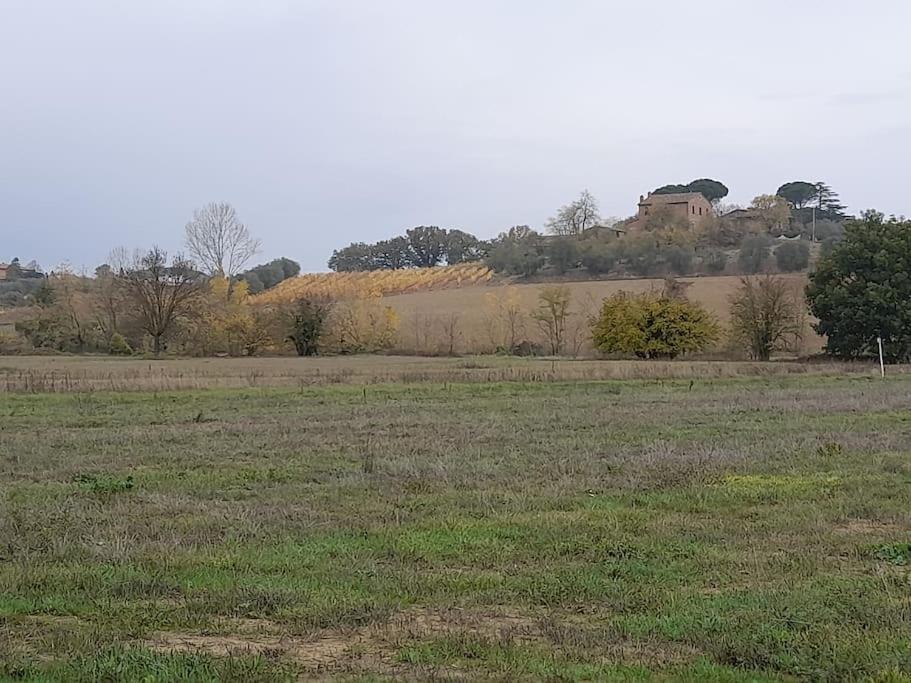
{"points": [[713, 190], [420, 247], [267, 275], [862, 289], [798, 193], [651, 326]]}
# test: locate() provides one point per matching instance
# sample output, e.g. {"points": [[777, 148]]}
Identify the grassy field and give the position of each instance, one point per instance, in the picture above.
{"points": [[424, 315], [737, 529], [68, 374]]}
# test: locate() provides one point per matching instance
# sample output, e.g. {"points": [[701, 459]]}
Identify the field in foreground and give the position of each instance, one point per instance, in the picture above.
{"points": [[726, 529]]}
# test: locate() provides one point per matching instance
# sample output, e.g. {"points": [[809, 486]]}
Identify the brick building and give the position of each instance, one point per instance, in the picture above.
{"points": [[690, 206]]}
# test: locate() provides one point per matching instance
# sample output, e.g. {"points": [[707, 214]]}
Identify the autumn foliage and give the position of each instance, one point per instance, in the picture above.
{"points": [[355, 284]]}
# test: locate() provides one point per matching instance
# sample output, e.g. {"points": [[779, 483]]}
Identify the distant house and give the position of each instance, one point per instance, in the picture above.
{"points": [[692, 207], [15, 271]]}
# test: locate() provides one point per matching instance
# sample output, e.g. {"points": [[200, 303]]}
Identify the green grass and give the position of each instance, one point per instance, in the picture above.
{"points": [[739, 529]]}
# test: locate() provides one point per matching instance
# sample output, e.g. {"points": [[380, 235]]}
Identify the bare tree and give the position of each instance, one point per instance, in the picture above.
{"points": [[765, 315], [452, 332], [219, 242], [576, 217], [552, 314], [160, 293]]}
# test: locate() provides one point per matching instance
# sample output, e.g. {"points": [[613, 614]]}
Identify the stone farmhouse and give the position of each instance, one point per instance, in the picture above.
{"points": [[692, 207]]}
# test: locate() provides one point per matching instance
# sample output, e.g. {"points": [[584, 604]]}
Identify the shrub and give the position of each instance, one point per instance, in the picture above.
{"points": [[598, 258], [306, 325], [516, 258], [119, 346], [563, 254], [13, 344], [714, 260], [679, 259], [651, 326], [641, 255], [753, 253], [765, 316], [792, 256]]}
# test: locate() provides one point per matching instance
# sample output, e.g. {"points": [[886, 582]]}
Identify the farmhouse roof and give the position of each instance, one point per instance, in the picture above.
{"points": [[674, 198]]}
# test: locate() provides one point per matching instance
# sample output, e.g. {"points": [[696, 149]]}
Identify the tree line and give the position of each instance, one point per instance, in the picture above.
{"points": [[577, 237], [424, 246]]}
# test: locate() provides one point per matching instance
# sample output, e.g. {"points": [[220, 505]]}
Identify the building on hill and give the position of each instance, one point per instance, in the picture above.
{"points": [[15, 271], [691, 207]]}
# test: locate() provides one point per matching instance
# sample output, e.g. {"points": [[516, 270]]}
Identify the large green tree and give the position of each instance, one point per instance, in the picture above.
{"points": [[828, 204], [713, 190], [428, 245], [861, 290], [798, 193]]}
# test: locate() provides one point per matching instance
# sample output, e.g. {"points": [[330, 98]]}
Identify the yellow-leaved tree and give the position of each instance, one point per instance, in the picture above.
{"points": [[226, 322], [362, 324]]}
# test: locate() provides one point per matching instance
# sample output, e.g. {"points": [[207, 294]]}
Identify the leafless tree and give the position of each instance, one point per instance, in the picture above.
{"points": [[452, 332], [160, 293], [552, 314], [766, 315], [219, 242], [576, 217]]}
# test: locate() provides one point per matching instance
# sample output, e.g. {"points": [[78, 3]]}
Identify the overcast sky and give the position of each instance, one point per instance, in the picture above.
{"points": [[330, 121]]}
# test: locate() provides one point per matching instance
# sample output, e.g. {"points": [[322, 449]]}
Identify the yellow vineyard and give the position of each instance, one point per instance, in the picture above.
{"points": [[377, 282]]}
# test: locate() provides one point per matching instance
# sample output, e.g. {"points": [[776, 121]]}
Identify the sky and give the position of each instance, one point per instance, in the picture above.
{"points": [[325, 122]]}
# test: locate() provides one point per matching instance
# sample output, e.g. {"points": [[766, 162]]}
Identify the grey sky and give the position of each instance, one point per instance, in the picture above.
{"points": [[326, 121]]}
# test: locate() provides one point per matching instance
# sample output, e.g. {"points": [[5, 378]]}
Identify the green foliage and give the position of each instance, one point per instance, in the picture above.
{"points": [[673, 188], [268, 275], [463, 247], [45, 295], [862, 289], [563, 254], [119, 346], [104, 484], [898, 554], [828, 205], [650, 326], [640, 254], [798, 193], [714, 260], [753, 253], [420, 247], [307, 325], [678, 258], [598, 258], [427, 244], [355, 257], [712, 190], [793, 256], [516, 258], [827, 246]]}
